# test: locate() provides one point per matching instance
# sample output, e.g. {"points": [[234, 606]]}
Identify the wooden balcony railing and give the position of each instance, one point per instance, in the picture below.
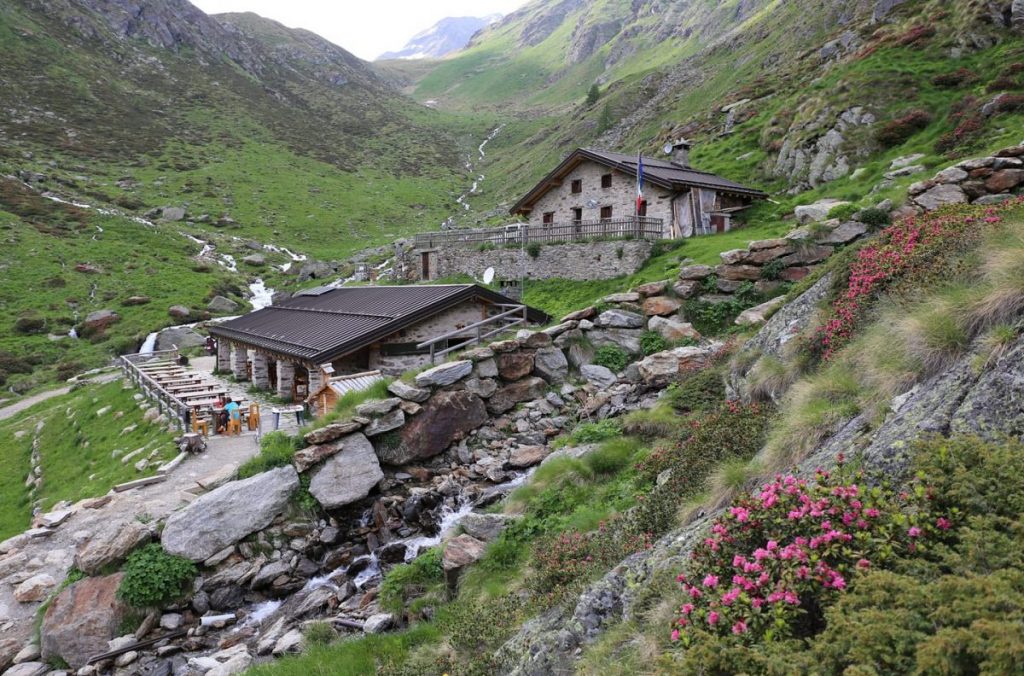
{"points": [[632, 227]]}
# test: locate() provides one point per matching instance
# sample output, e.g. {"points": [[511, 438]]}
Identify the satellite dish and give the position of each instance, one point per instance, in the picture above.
{"points": [[592, 204], [488, 275], [668, 148]]}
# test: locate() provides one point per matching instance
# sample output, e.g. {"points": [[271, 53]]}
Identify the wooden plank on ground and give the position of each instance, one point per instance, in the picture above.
{"points": [[138, 483]]}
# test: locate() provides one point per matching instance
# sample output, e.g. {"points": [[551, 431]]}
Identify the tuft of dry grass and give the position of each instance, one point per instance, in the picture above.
{"points": [[1002, 298], [768, 380]]}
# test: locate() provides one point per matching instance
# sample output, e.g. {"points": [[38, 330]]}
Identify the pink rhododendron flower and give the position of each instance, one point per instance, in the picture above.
{"points": [[712, 617], [739, 628], [675, 635], [943, 523], [711, 581], [914, 531]]}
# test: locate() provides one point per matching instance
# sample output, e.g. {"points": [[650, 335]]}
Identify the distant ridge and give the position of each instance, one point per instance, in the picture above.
{"points": [[446, 36]]}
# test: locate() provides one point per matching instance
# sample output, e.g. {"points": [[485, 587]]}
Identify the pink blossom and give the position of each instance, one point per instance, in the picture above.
{"points": [[863, 564], [712, 617], [738, 561], [943, 523], [741, 514], [686, 608], [838, 581], [740, 627], [914, 531], [730, 596], [675, 635]]}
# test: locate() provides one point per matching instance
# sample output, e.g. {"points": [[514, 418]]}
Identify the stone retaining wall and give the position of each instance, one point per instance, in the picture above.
{"points": [[576, 261]]}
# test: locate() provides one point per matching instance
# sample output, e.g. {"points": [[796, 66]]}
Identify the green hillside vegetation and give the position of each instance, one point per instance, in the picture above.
{"points": [[937, 545], [80, 449]]}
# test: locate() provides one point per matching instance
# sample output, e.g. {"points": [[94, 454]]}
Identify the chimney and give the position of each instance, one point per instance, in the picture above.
{"points": [[681, 152]]}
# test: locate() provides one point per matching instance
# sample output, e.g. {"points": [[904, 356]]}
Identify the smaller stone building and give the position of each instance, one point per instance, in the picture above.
{"points": [[600, 186], [292, 348]]}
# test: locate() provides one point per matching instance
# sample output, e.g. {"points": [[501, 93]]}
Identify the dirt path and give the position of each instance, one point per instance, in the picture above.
{"points": [[19, 406]]}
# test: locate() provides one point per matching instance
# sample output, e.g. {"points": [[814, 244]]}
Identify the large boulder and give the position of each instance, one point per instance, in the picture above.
{"points": [[82, 620], [620, 319], [348, 475], [229, 513], [100, 320], [661, 305], [485, 527], [404, 390], [600, 376], [313, 455], [461, 551], [759, 314], [110, 545], [627, 339], [222, 304], [35, 588], [515, 365], [696, 272], [813, 213], [510, 395], [444, 374], [332, 432], [179, 337], [663, 368], [551, 365], [941, 195], [445, 418], [672, 329]]}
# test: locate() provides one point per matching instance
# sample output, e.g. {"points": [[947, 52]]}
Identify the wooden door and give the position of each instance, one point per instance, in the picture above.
{"points": [[425, 266]]}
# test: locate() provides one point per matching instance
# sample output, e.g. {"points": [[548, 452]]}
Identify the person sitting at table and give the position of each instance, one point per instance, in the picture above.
{"points": [[222, 415], [233, 411]]}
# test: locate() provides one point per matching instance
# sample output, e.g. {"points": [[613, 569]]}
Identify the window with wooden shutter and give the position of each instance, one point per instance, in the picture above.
{"points": [[577, 186]]}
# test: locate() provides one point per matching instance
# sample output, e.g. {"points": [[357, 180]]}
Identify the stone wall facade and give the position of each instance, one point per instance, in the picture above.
{"points": [[621, 197], [577, 261]]}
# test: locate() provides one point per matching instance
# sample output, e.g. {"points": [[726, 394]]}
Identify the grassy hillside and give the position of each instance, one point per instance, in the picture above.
{"points": [[81, 438]]}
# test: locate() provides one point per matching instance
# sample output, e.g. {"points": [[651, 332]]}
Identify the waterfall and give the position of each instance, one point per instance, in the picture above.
{"points": [[149, 344]]}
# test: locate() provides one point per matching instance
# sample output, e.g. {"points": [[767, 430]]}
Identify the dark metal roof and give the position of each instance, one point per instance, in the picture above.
{"points": [[336, 322], [658, 172]]}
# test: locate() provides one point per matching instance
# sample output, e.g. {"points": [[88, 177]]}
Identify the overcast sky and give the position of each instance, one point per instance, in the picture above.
{"points": [[367, 29]]}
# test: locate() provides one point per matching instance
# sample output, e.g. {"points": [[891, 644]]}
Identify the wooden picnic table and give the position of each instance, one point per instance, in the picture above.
{"points": [[177, 380], [158, 375], [162, 367], [201, 398], [196, 385]]}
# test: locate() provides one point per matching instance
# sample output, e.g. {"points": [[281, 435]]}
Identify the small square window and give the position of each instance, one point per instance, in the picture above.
{"points": [[606, 181], [577, 185], [549, 217], [577, 214], [606, 213]]}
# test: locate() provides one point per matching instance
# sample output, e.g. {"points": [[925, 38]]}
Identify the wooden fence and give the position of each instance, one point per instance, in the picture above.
{"points": [[165, 401], [633, 227]]}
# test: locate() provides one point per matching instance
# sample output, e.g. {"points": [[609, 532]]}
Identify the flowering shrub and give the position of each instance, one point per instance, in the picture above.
{"points": [[573, 556], [955, 78], [907, 248], [776, 560], [895, 132]]}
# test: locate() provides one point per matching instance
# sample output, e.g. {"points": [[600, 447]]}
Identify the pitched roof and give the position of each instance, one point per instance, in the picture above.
{"points": [[659, 172], [322, 324]]}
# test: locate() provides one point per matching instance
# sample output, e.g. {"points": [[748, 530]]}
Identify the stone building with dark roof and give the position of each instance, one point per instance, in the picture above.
{"points": [[597, 185], [293, 347]]}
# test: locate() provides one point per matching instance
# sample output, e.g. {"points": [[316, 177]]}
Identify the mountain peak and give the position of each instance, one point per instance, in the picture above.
{"points": [[448, 35]]}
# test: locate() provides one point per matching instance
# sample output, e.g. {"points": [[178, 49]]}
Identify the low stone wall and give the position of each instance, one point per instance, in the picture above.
{"points": [[983, 180], [576, 261]]}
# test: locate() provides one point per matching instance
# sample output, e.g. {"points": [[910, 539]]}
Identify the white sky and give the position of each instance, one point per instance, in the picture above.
{"points": [[367, 29]]}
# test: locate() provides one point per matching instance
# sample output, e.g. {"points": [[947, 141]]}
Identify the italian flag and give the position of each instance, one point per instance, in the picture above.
{"points": [[639, 182]]}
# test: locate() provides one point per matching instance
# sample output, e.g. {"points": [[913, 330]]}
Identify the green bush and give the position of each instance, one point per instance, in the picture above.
{"points": [[276, 450], [700, 391], [592, 433], [843, 212], [652, 342], [773, 269], [319, 633], [533, 249], [407, 581], [876, 218], [611, 357], [153, 578], [612, 455]]}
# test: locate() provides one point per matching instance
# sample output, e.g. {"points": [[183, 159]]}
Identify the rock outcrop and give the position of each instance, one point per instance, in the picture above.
{"points": [[347, 476], [82, 619], [229, 513]]}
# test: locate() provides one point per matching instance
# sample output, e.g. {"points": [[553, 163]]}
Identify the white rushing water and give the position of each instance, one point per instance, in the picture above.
{"points": [[149, 344], [475, 187], [261, 295], [262, 611], [449, 520]]}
